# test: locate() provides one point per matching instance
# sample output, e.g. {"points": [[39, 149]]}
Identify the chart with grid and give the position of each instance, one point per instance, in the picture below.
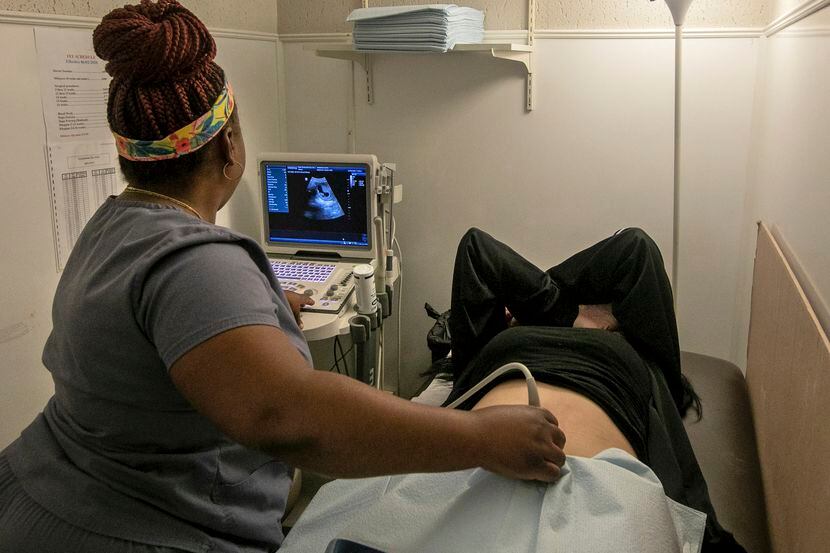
{"points": [[75, 184], [104, 184]]}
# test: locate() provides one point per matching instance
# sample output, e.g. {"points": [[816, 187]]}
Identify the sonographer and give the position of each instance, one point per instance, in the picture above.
{"points": [[184, 392]]}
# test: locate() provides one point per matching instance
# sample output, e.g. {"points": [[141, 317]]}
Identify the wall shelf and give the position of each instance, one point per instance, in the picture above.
{"points": [[520, 53]]}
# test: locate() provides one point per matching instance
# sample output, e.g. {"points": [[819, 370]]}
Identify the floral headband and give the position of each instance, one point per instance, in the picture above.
{"points": [[186, 140]]}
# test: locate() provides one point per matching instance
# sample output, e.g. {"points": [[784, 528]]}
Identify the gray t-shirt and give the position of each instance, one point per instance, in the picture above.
{"points": [[118, 450]]}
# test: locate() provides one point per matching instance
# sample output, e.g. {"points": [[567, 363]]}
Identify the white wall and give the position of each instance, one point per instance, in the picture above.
{"points": [[595, 155], [251, 66], [790, 163], [718, 100], [28, 277]]}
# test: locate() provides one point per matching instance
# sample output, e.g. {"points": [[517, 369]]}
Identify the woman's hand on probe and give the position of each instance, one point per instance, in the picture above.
{"points": [[522, 442]]}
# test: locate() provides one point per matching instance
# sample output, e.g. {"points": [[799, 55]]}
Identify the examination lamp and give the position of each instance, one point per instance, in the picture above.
{"points": [[678, 10]]}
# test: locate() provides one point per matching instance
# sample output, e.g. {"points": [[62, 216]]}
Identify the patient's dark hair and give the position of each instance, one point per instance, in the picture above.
{"points": [[160, 57], [690, 399]]}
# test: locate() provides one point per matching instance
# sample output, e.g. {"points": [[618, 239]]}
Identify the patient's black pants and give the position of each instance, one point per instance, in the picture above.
{"points": [[648, 396], [624, 270]]}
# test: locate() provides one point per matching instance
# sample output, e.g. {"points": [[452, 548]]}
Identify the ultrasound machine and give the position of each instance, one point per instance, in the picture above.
{"points": [[319, 214]]}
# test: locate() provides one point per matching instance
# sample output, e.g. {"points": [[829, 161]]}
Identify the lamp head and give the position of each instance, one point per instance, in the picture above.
{"points": [[678, 10]]}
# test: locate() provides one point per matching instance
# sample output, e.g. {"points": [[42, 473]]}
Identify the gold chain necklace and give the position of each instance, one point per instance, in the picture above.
{"points": [[168, 198]]}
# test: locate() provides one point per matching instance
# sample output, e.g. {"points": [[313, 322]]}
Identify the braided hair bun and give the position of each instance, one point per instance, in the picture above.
{"points": [[153, 43], [160, 56]]}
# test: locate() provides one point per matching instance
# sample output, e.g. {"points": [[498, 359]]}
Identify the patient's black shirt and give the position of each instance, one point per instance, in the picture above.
{"points": [[605, 368], [597, 364]]}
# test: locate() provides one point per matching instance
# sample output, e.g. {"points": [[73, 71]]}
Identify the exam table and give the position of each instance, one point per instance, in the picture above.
{"points": [[724, 442]]}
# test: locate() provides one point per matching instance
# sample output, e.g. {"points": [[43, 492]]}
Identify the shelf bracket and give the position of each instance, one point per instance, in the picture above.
{"points": [[370, 80], [521, 57], [531, 30], [526, 59], [362, 59]]}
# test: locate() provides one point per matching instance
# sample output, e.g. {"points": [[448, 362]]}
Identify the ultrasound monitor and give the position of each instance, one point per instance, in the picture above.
{"points": [[318, 204]]}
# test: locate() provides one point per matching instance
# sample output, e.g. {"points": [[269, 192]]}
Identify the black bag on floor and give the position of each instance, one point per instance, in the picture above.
{"points": [[438, 337]]}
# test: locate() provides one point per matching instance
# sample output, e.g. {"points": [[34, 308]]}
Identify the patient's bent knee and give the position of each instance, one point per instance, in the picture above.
{"points": [[638, 238], [473, 233]]}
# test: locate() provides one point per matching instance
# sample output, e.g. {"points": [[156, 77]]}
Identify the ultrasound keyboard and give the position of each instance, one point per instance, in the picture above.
{"points": [[329, 284], [308, 271]]}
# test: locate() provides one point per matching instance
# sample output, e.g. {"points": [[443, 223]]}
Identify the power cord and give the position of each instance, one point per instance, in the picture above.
{"points": [[400, 299], [340, 357], [381, 360]]}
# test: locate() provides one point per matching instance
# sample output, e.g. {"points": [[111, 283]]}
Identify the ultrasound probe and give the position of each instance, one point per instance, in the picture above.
{"points": [[532, 391]]}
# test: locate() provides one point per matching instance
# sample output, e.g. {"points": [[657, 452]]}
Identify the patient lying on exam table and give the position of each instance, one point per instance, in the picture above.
{"points": [[598, 333]]}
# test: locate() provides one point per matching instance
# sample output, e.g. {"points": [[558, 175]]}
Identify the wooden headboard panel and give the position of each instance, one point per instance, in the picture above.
{"points": [[788, 376]]}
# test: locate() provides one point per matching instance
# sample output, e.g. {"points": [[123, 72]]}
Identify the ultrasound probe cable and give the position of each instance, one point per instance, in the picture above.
{"points": [[532, 391]]}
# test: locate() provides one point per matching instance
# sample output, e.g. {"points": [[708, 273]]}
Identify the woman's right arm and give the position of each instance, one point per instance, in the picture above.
{"points": [[255, 386]]}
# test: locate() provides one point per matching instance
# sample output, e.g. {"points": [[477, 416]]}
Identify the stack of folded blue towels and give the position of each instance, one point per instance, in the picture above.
{"points": [[425, 28]]}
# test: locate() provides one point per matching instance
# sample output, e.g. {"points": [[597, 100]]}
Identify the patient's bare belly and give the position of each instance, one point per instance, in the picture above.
{"points": [[588, 430]]}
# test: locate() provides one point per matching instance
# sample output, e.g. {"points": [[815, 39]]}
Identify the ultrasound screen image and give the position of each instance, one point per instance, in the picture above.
{"points": [[317, 204], [321, 203]]}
